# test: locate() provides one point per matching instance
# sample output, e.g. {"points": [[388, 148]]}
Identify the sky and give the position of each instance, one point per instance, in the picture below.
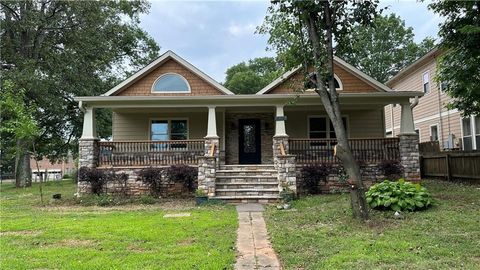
{"points": [[214, 35]]}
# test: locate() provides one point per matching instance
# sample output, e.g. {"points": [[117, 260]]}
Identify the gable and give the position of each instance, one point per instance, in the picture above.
{"points": [[143, 87], [350, 82]]}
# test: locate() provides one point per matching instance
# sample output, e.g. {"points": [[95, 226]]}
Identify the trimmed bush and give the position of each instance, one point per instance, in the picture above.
{"points": [[312, 175], [96, 177], [153, 178], [398, 196], [183, 174]]}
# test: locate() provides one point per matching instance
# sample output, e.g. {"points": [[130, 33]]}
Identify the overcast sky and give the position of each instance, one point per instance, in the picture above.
{"points": [[214, 35]]}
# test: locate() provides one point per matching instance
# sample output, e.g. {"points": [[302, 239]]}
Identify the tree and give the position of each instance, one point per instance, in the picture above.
{"points": [[251, 77], [304, 32], [56, 50], [383, 48], [459, 65]]}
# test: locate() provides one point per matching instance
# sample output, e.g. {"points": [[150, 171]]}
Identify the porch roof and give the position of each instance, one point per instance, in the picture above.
{"points": [[376, 98]]}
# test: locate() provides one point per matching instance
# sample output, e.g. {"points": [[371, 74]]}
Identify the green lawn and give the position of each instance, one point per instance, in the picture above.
{"points": [[64, 236], [321, 234]]}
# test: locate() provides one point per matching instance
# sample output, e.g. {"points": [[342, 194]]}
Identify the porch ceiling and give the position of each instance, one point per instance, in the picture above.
{"points": [[379, 98]]}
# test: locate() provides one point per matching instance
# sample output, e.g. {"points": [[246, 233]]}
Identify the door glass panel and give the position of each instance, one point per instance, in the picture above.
{"points": [[249, 139]]}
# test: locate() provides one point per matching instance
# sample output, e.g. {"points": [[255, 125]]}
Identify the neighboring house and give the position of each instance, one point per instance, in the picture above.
{"points": [[245, 146], [433, 120], [49, 170]]}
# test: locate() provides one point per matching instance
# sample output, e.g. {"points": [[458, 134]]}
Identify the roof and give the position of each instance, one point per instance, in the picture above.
{"points": [[413, 66], [158, 62], [356, 72]]}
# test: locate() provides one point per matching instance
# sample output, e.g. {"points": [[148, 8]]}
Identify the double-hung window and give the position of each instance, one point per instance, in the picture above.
{"points": [[426, 82], [171, 129], [434, 133]]}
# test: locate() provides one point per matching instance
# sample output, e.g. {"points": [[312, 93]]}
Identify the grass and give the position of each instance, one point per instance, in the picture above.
{"points": [[321, 234], [64, 236]]}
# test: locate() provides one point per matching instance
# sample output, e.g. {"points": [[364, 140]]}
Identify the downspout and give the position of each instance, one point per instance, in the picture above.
{"points": [[440, 118]]}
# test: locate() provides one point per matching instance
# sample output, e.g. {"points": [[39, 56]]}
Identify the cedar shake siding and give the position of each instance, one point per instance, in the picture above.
{"points": [[351, 83], [143, 87]]}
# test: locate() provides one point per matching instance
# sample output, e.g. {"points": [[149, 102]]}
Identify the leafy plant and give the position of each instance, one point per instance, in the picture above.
{"points": [[147, 199], [312, 175], [398, 196], [153, 178], [287, 195], [200, 193], [96, 177], [183, 174], [391, 168]]}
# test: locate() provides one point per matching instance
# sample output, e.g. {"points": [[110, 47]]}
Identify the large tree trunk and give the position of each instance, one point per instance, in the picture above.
{"points": [[331, 103], [23, 172]]}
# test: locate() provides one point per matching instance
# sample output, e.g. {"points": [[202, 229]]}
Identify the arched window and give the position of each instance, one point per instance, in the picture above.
{"points": [[309, 85], [171, 83]]}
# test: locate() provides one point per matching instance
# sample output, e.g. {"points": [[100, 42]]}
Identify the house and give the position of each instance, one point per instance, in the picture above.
{"points": [[51, 170], [433, 120], [246, 147]]}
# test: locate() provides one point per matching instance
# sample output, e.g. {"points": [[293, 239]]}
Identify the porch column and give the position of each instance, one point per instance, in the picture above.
{"points": [[212, 123], [207, 164], [408, 145], [284, 163], [88, 147]]}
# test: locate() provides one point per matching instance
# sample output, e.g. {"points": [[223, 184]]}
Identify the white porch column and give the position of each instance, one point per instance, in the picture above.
{"points": [[212, 123], [280, 122], [406, 121], [89, 125]]}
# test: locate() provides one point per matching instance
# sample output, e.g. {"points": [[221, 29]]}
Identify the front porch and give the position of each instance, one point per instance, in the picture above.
{"points": [[222, 139]]}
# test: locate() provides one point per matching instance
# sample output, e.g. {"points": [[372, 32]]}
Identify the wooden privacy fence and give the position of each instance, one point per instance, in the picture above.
{"points": [[364, 150], [147, 153], [460, 165]]}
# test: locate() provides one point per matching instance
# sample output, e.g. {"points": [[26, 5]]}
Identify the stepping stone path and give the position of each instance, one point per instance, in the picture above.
{"points": [[254, 249]]}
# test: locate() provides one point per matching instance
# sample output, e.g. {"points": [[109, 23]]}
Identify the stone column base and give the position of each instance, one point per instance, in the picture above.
{"points": [[88, 153], [206, 174], [409, 156]]}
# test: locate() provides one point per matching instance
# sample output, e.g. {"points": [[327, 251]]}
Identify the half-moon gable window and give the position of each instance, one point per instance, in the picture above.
{"points": [[309, 85], [171, 83]]}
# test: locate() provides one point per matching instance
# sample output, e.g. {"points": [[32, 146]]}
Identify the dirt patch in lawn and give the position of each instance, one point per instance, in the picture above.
{"points": [[20, 233], [186, 242], [77, 243]]}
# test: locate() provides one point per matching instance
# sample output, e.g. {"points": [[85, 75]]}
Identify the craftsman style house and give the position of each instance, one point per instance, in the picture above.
{"points": [[245, 146]]}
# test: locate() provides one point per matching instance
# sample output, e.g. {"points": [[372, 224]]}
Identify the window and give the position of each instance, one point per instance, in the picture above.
{"points": [[426, 82], [443, 86], [434, 133], [319, 128], [310, 86], [171, 83], [164, 130], [467, 134], [477, 131]]}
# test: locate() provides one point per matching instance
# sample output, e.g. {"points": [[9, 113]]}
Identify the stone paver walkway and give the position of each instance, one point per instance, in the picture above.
{"points": [[254, 249]]}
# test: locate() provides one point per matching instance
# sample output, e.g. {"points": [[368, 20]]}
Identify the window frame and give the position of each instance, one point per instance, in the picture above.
{"points": [[340, 84], [152, 89], [429, 90], [327, 120], [438, 132], [169, 130]]}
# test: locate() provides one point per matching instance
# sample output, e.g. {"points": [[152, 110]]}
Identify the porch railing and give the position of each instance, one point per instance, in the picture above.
{"points": [[364, 150], [149, 153]]}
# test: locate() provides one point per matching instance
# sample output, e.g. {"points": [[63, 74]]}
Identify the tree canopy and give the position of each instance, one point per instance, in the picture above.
{"points": [[459, 65], [382, 48], [250, 77], [56, 50]]}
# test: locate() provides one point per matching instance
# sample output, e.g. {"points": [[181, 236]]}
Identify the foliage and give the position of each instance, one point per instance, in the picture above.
{"points": [[312, 175], [251, 77], [459, 66], [200, 193], [120, 180], [320, 235], [66, 176], [383, 48], [56, 50], [153, 178], [137, 233], [391, 168], [97, 178], [183, 174], [147, 199], [287, 195], [398, 196]]}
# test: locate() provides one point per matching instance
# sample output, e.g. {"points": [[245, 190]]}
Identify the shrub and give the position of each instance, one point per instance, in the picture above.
{"points": [[120, 180], [96, 177], [147, 199], [66, 176], [183, 174], [398, 196], [153, 178], [75, 176], [312, 175], [391, 168]]}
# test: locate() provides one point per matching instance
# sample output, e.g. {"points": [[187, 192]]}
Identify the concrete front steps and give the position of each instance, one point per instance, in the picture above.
{"points": [[246, 183]]}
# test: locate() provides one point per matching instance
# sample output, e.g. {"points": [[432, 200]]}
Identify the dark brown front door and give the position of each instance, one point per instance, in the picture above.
{"points": [[249, 143]]}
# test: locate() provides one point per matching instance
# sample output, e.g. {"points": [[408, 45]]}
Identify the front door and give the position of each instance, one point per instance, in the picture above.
{"points": [[249, 141]]}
